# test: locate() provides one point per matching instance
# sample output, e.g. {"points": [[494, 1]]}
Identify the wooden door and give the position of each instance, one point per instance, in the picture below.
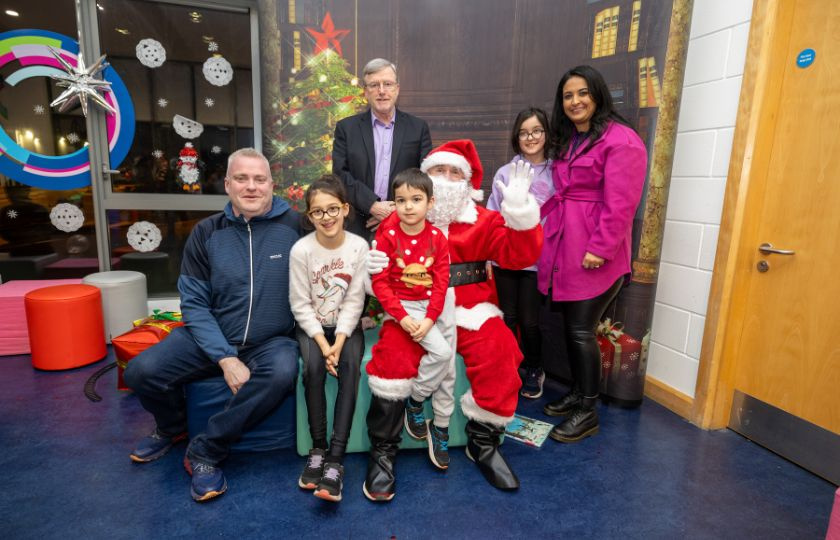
{"points": [[780, 359]]}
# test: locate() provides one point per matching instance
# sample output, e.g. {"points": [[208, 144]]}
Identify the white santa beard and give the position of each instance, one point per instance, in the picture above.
{"points": [[451, 198]]}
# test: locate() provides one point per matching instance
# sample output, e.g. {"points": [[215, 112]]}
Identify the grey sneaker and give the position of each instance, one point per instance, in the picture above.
{"points": [[532, 388], [313, 471]]}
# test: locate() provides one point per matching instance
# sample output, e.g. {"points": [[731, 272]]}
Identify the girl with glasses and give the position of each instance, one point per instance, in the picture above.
{"points": [[519, 298]]}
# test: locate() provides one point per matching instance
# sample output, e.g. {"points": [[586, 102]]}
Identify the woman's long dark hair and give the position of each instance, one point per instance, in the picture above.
{"points": [[562, 129]]}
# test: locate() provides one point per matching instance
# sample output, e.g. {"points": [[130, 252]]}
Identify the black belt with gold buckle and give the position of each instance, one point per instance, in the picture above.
{"points": [[467, 273]]}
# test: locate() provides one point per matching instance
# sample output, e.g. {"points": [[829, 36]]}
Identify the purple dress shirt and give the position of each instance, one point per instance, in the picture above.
{"points": [[383, 138]]}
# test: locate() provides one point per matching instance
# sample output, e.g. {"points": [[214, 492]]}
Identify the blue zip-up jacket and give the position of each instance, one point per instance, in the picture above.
{"points": [[234, 281]]}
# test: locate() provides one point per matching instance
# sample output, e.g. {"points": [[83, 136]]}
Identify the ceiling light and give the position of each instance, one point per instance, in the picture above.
{"points": [[12, 13]]}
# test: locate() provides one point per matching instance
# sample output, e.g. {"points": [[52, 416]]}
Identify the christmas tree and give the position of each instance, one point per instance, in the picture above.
{"points": [[321, 94]]}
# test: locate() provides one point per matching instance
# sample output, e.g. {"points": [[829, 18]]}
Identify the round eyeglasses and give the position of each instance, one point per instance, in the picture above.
{"points": [[536, 134], [332, 211]]}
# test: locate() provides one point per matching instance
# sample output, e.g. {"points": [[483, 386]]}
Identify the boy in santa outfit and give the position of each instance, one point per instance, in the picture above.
{"points": [[512, 238]]}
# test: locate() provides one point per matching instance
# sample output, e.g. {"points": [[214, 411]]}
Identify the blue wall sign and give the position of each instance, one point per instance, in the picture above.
{"points": [[806, 58]]}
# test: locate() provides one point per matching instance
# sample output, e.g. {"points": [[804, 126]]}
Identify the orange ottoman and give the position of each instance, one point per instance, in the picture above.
{"points": [[66, 327]]}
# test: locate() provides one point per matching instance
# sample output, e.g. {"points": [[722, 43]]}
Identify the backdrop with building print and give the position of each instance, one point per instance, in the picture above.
{"points": [[467, 68]]}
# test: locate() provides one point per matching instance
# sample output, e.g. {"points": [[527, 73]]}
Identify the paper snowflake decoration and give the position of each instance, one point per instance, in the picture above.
{"points": [[72, 138], [157, 154], [143, 236], [216, 150], [163, 102], [67, 217], [212, 46], [11, 214], [209, 102], [39, 109]]}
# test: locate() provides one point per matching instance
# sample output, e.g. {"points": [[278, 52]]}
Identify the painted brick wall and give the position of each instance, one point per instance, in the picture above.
{"points": [[716, 55]]}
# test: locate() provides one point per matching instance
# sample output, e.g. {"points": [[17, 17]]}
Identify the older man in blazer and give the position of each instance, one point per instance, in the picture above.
{"points": [[372, 147]]}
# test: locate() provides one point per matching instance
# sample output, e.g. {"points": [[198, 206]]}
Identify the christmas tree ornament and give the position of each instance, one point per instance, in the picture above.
{"points": [[67, 217], [186, 128], [150, 53], [328, 37], [188, 169], [217, 71], [143, 236], [81, 84]]}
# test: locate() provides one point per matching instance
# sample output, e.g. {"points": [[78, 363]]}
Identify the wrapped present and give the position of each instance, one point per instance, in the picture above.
{"points": [[621, 357], [146, 332]]}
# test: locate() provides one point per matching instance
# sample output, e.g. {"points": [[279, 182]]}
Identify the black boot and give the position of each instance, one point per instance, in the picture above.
{"points": [[581, 423], [384, 422], [564, 405], [483, 448]]}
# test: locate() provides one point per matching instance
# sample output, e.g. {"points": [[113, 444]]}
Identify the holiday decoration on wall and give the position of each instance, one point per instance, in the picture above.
{"points": [[188, 171], [81, 83], [209, 102], [186, 128], [318, 96], [67, 217], [39, 110], [217, 71], [162, 103], [212, 46], [26, 54], [143, 236], [150, 53]]}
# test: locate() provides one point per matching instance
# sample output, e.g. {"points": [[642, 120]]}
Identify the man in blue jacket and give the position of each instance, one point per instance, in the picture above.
{"points": [[234, 287]]}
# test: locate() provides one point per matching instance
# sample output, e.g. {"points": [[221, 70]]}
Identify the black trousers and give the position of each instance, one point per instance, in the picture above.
{"points": [[520, 301], [314, 377], [581, 319]]}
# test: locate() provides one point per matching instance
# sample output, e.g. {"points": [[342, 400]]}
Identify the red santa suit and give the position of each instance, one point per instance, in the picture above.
{"points": [[512, 238]]}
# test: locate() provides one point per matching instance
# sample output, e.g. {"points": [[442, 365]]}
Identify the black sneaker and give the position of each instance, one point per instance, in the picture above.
{"points": [[329, 487], [532, 388], [314, 469], [415, 421], [438, 446]]}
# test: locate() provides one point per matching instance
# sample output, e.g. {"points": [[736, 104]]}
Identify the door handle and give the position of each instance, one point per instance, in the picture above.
{"points": [[107, 170], [767, 248]]}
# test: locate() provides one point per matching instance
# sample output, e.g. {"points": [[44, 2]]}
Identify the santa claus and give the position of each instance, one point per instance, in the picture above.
{"points": [[512, 238]]}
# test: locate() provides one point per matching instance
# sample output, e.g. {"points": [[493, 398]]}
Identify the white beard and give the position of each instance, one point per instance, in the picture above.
{"points": [[451, 198]]}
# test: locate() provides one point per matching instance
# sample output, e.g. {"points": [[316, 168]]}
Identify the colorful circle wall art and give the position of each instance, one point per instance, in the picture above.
{"points": [[28, 51]]}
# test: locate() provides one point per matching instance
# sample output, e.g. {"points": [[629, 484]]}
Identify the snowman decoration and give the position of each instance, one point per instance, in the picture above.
{"points": [[188, 169], [331, 298]]}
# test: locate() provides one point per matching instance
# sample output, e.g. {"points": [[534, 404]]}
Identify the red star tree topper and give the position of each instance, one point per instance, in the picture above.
{"points": [[329, 37]]}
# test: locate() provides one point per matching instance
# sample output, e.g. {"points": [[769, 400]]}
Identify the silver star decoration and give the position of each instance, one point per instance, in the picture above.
{"points": [[12, 214], [163, 102], [39, 109], [158, 154], [209, 102], [81, 84], [216, 150], [72, 138], [212, 46]]}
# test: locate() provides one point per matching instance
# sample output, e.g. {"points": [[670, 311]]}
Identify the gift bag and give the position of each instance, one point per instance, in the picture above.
{"points": [[146, 332], [621, 358]]}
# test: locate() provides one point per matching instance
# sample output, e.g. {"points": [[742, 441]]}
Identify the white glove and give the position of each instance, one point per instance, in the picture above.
{"points": [[377, 260], [515, 194]]}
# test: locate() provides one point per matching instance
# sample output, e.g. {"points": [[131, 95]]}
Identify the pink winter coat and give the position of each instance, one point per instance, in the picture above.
{"points": [[597, 193]]}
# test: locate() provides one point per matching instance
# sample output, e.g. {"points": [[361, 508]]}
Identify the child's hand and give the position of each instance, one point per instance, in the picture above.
{"points": [[422, 329], [332, 363], [409, 325]]}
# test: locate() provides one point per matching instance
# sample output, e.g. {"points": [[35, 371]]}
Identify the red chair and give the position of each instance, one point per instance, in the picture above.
{"points": [[66, 326]]}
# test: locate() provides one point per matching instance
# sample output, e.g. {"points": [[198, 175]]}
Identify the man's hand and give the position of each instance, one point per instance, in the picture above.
{"points": [[515, 194], [381, 209], [422, 329], [377, 260], [409, 325], [236, 373], [372, 223]]}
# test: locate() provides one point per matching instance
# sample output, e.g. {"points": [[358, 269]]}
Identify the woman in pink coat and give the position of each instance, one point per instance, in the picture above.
{"points": [[599, 172]]}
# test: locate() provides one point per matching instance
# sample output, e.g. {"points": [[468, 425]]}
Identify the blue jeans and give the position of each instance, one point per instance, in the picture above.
{"points": [[158, 375]]}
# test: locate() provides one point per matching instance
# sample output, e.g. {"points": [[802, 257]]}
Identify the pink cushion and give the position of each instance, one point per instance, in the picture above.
{"points": [[14, 336]]}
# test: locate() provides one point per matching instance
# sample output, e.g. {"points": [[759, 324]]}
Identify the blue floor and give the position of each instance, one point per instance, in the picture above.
{"points": [[648, 474]]}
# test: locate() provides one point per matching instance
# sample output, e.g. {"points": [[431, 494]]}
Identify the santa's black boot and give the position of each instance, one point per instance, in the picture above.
{"points": [[483, 448], [384, 422]]}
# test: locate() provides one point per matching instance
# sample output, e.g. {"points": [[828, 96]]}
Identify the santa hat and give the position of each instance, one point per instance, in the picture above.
{"points": [[461, 154], [187, 155], [342, 280]]}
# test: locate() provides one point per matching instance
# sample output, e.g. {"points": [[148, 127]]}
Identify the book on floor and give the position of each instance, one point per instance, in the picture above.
{"points": [[526, 430]]}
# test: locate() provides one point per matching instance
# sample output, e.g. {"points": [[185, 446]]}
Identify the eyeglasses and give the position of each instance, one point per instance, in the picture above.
{"points": [[332, 211], [536, 134], [244, 179], [387, 85]]}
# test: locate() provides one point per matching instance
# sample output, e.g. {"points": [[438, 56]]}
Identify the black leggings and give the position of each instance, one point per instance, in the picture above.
{"points": [[520, 301], [581, 319], [314, 377]]}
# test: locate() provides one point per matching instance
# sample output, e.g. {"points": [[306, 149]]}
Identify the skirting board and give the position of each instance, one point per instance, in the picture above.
{"points": [[669, 397]]}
